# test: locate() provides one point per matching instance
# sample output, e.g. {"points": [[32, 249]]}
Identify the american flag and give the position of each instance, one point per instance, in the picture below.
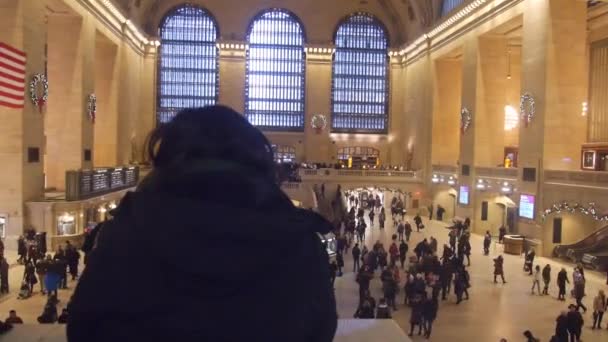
{"points": [[12, 76]]}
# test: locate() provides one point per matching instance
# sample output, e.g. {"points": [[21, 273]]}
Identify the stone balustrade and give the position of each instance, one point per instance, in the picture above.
{"points": [[577, 178]]}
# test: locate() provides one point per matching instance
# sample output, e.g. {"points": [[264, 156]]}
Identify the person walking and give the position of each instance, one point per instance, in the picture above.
{"points": [[575, 323], [546, 278], [393, 252], [562, 279], [356, 252], [536, 279], [487, 240], [371, 216], [333, 272], [29, 276], [429, 314], [529, 261], [21, 250], [340, 262], [579, 288], [400, 230], [499, 269], [599, 307], [72, 258], [403, 248]]}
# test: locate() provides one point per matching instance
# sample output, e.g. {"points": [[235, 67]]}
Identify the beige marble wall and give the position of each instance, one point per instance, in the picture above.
{"points": [[21, 26], [68, 130], [106, 90], [447, 91]]}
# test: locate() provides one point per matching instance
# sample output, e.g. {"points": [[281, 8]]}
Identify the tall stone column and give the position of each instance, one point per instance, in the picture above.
{"points": [[318, 147], [553, 72], [471, 95], [396, 136], [233, 61], [69, 131], [22, 26]]}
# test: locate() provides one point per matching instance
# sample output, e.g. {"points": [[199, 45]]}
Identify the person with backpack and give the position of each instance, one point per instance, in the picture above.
{"points": [[356, 252], [403, 248], [366, 308]]}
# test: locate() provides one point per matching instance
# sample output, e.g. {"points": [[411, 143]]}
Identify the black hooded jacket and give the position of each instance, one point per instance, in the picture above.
{"points": [[223, 257]]}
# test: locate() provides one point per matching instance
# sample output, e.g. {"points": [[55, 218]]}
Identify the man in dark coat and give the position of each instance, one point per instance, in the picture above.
{"points": [[562, 279], [575, 323], [429, 314], [561, 327], [3, 275], [183, 278], [356, 255], [73, 258]]}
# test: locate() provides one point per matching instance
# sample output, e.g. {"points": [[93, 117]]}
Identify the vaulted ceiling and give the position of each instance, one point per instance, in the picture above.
{"points": [[405, 19]]}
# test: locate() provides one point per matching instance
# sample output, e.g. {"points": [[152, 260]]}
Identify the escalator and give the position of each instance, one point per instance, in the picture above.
{"points": [[592, 251]]}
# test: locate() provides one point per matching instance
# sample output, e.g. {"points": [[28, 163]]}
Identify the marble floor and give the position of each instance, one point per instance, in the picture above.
{"points": [[493, 312]]}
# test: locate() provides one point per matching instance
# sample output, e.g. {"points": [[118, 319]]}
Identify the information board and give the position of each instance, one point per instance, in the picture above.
{"points": [[463, 195], [526, 206]]}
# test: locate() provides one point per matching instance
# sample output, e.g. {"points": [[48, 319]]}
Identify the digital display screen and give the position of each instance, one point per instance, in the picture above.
{"points": [[463, 195], [526, 206]]}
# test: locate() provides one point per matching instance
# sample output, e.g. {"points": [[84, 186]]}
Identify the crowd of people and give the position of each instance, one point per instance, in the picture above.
{"points": [[427, 277]]}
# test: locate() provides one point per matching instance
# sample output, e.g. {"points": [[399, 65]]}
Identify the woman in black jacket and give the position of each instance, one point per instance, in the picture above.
{"points": [[182, 260]]}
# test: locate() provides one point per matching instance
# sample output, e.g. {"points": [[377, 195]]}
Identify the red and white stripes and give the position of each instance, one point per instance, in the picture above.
{"points": [[12, 76]]}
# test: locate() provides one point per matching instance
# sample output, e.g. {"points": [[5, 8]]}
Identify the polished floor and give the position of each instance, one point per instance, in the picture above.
{"points": [[493, 312]]}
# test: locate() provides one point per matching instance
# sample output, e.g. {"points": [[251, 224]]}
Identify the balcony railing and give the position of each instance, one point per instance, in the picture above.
{"points": [[386, 175], [496, 172], [588, 178], [445, 169]]}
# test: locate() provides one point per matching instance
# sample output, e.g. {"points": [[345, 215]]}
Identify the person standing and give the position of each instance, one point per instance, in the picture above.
{"points": [[3, 275], [429, 314], [529, 261], [382, 218], [433, 245], [340, 262], [21, 249], [73, 258], [599, 306], [430, 212], [408, 231], [536, 279], [562, 279], [546, 278], [403, 248], [42, 267], [371, 217], [29, 276], [53, 276], [498, 269], [575, 323], [561, 327], [487, 240], [356, 252], [418, 222], [502, 231], [393, 251], [416, 314], [452, 236], [333, 271]]}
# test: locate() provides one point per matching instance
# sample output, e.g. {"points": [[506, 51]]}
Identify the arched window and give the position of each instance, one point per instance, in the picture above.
{"points": [[360, 76], [188, 61], [274, 89], [449, 5]]}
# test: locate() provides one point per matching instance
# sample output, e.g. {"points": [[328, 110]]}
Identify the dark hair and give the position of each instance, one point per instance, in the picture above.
{"points": [[214, 134], [12, 311]]}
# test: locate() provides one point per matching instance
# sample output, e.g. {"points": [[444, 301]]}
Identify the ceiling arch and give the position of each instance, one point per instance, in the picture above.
{"points": [[319, 16]]}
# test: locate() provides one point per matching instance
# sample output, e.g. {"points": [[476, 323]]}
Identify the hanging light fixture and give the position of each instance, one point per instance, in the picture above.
{"points": [[508, 63]]}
